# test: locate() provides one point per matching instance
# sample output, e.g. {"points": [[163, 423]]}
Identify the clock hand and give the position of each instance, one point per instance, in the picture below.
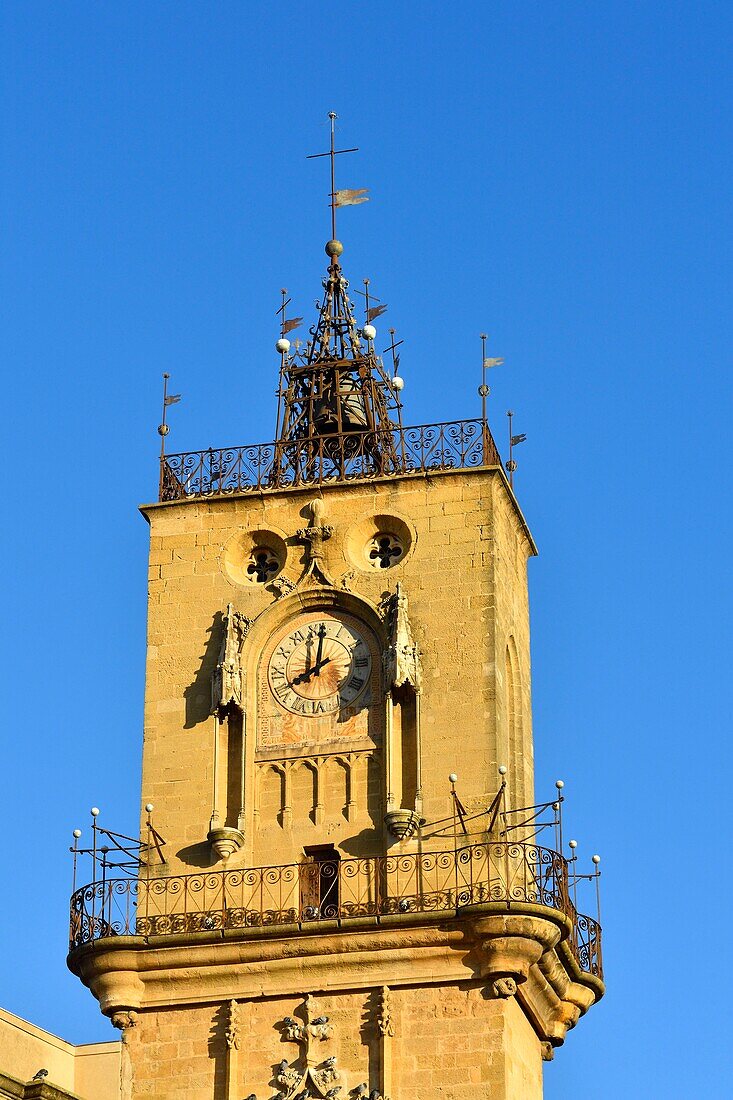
{"points": [[319, 665], [321, 636], [316, 668]]}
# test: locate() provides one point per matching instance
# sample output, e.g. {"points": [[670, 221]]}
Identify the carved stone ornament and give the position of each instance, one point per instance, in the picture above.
{"points": [[309, 1075], [283, 586], [505, 987], [226, 683], [315, 537], [233, 1030], [385, 1023], [548, 1051], [123, 1021], [401, 659]]}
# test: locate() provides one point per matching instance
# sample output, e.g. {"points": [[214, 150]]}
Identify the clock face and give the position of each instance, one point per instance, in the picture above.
{"points": [[320, 667]]}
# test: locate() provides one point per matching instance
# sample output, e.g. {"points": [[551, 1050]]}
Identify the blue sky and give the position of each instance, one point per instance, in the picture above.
{"points": [[557, 175]]}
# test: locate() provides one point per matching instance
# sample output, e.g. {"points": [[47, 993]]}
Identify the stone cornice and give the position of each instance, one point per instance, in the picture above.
{"points": [[522, 952]]}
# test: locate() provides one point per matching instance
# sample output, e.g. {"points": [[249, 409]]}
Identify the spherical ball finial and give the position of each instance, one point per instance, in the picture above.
{"points": [[77, 834], [502, 769], [163, 429], [369, 332], [559, 784], [283, 345], [572, 844], [149, 807], [95, 811], [334, 248], [398, 383], [452, 778], [596, 859], [483, 390]]}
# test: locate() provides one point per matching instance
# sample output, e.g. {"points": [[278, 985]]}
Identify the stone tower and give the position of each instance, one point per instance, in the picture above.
{"points": [[338, 622]]}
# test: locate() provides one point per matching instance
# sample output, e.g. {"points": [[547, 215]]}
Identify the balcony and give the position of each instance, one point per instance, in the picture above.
{"points": [[326, 459], [517, 877]]}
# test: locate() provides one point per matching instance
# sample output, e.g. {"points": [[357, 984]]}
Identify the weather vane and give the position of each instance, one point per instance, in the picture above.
{"points": [[513, 441], [486, 364], [345, 197]]}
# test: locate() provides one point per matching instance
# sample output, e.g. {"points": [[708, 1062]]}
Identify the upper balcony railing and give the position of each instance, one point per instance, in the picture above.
{"points": [[512, 874], [322, 459]]}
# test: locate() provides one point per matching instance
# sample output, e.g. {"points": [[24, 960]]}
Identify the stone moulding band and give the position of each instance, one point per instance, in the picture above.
{"points": [[516, 875]]}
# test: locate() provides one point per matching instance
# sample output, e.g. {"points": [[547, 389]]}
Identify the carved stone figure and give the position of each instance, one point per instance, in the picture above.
{"points": [[505, 987], [226, 683], [123, 1021], [401, 659]]}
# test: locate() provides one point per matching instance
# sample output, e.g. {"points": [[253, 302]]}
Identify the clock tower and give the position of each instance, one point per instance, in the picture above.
{"points": [[350, 889]]}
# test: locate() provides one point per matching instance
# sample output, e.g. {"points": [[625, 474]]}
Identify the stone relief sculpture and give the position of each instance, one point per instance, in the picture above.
{"points": [[227, 691], [315, 536], [401, 658], [227, 680], [309, 1075], [402, 676]]}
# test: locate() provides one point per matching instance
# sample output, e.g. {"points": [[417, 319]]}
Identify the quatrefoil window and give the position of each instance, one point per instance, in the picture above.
{"points": [[263, 565], [385, 550]]}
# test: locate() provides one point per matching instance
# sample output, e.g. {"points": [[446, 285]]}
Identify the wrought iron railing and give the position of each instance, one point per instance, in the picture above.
{"points": [[515, 875], [349, 456]]}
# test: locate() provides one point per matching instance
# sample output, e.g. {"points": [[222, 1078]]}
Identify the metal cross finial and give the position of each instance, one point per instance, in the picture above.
{"points": [[393, 348], [333, 152], [281, 311]]}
